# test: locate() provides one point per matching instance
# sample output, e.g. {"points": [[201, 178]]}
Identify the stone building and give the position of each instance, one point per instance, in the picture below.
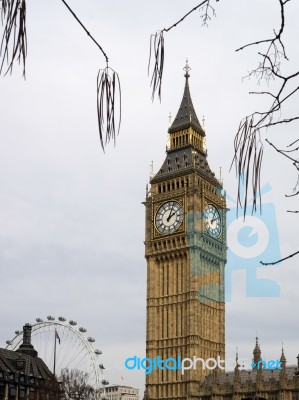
{"points": [[185, 250], [256, 384], [120, 392], [23, 375]]}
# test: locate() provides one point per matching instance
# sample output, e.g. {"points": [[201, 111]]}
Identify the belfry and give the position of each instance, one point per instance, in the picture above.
{"points": [[185, 249]]}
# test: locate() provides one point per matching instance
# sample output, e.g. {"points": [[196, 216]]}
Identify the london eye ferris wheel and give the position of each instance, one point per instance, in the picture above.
{"points": [[61, 344]]}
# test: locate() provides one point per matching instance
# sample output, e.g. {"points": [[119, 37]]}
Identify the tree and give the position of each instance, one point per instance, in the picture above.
{"points": [[251, 136], [13, 48], [50, 388], [74, 385]]}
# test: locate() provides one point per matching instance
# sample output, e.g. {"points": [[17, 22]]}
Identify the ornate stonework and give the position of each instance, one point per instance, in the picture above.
{"points": [[185, 249]]}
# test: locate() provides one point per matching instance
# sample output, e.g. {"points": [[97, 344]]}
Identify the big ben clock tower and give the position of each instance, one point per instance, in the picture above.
{"points": [[185, 249]]}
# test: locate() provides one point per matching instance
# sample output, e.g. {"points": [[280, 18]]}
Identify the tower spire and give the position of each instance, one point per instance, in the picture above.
{"points": [[186, 117], [283, 363], [256, 353], [237, 371]]}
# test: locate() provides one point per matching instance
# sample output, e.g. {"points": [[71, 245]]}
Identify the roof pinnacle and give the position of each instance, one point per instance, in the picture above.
{"points": [[282, 357], [186, 117], [187, 68]]}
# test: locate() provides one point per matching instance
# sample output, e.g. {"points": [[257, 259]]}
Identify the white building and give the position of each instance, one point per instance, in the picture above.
{"points": [[118, 392]]}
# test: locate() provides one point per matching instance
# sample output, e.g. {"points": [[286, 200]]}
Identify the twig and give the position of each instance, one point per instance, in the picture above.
{"points": [[245, 140], [91, 37], [277, 35], [157, 47], [289, 145], [282, 152], [108, 95], [279, 261], [186, 15]]}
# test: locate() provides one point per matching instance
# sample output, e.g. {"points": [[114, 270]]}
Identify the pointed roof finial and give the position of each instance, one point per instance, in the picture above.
{"points": [[237, 359], [282, 357], [237, 366], [152, 168], [256, 353], [187, 69], [186, 116]]}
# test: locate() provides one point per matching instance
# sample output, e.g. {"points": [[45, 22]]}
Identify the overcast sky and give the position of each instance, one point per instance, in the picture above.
{"points": [[71, 218]]}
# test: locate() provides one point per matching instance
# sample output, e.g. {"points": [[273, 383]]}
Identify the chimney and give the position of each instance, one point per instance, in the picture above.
{"points": [[26, 347]]}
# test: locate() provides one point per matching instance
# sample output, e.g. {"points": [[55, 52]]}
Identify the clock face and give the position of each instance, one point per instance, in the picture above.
{"points": [[212, 220], [169, 217]]}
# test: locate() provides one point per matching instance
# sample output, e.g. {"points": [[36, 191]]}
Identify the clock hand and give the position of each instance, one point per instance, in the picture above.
{"points": [[170, 215], [215, 218]]}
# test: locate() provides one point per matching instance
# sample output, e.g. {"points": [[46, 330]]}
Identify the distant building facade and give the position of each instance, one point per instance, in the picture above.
{"points": [[255, 384], [119, 392], [25, 376]]}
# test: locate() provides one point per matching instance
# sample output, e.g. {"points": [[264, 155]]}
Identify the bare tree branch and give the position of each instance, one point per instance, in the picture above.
{"points": [[297, 140], [279, 261], [91, 37], [283, 152], [205, 17], [277, 37], [14, 47], [108, 95], [269, 68], [157, 45]]}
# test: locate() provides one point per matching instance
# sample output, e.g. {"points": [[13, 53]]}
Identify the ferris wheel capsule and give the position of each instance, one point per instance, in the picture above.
{"points": [[105, 382], [73, 323], [91, 340], [17, 332], [9, 342], [98, 352], [62, 319], [83, 330], [39, 320], [50, 318]]}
